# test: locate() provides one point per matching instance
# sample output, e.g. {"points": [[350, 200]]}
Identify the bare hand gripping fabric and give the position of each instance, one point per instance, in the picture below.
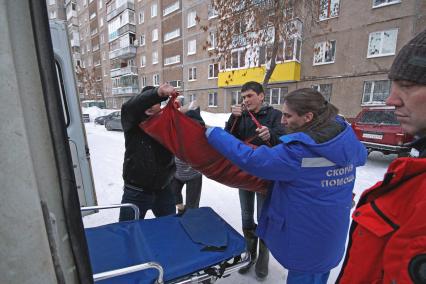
{"points": [[186, 139]]}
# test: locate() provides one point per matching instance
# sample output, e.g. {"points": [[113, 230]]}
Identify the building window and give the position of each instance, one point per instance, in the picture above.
{"points": [[156, 80], [329, 9], [172, 60], [101, 22], [143, 61], [275, 96], [154, 57], [381, 3], [213, 70], [143, 81], [141, 16], [154, 34], [154, 8], [376, 92], [192, 47], [324, 89], [238, 58], [142, 40], [102, 38], [172, 34], [382, 43], [176, 84], [52, 2], [213, 99], [192, 97], [212, 13], [212, 39], [52, 15], [236, 98], [324, 52], [293, 49], [100, 4], [192, 73], [170, 9], [191, 19]]}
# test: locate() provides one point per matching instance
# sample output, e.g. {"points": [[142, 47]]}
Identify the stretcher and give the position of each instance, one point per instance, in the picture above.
{"points": [[196, 247]]}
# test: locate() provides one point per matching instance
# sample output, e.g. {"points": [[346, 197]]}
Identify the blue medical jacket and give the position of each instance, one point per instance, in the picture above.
{"points": [[305, 217]]}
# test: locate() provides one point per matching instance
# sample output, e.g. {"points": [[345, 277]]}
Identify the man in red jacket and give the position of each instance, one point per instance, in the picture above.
{"points": [[388, 234]]}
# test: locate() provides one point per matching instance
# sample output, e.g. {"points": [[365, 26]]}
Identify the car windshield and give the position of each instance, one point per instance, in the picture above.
{"points": [[379, 117]]}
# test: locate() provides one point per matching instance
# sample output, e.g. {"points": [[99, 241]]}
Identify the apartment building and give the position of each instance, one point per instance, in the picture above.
{"points": [[346, 56], [129, 44]]}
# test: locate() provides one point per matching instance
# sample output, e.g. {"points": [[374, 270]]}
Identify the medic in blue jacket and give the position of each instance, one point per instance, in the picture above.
{"points": [[305, 217]]}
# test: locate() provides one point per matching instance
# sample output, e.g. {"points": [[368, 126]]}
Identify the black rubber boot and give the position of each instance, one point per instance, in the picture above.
{"points": [[262, 262], [251, 241]]}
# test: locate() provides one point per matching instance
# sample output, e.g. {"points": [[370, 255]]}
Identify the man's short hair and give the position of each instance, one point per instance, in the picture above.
{"points": [[254, 86]]}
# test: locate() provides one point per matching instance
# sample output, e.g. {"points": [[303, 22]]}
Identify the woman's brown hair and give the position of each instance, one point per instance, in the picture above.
{"points": [[307, 100]]}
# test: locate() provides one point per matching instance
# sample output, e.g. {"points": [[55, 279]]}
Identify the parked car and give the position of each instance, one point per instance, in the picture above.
{"points": [[101, 119], [114, 122], [379, 130]]}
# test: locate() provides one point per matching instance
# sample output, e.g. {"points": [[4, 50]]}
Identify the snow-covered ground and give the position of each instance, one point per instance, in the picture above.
{"points": [[107, 150]]}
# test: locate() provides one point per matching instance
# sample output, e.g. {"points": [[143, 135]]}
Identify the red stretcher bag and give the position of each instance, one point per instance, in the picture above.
{"points": [[186, 139]]}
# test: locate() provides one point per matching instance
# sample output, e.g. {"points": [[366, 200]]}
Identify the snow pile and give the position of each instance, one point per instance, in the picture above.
{"points": [[95, 111], [215, 119]]}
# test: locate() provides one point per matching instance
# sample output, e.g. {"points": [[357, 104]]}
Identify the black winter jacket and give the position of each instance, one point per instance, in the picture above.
{"points": [[147, 164], [245, 128]]}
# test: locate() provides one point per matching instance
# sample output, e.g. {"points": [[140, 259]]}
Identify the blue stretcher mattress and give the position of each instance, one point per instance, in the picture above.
{"points": [[181, 245]]}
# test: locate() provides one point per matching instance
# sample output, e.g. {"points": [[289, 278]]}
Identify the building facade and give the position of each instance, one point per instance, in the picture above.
{"points": [[129, 44]]}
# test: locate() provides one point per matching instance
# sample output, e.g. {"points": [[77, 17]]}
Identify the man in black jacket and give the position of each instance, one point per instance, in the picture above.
{"points": [[148, 167], [242, 126]]}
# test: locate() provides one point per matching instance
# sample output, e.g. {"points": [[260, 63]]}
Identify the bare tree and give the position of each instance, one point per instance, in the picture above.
{"points": [[87, 78], [265, 31]]}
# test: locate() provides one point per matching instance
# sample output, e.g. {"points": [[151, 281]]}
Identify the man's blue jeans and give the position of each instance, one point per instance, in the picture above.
{"points": [[247, 207], [161, 203]]}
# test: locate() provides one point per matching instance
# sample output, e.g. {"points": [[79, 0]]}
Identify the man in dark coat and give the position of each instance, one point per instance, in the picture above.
{"points": [[243, 127], [148, 167], [388, 233]]}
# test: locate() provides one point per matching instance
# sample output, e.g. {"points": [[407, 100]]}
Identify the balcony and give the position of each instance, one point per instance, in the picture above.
{"points": [[75, 42], [129, 70], [125, 90], [124, 29], [71, 14], [128, 5], [123, 53]]}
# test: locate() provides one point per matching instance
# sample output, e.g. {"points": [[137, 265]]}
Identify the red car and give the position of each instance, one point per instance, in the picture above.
{"points": [[379, 130]]}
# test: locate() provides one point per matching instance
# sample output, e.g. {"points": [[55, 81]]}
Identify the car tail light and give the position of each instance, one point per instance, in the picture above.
{"points": [[400, 138]]}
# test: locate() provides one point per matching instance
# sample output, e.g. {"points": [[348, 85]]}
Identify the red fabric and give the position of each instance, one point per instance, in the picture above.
{"points": [[389, 227], [186, 139]]}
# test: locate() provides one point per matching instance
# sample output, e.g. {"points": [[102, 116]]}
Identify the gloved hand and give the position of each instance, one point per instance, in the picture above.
{"points": [[209, 130]]}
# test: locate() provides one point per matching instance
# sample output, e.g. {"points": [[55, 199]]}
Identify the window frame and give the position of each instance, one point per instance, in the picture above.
{"points": [[334, 56], [190, 51], [393, 2], [191, 22], [380, 54], [154, 77], [155, 57], [192, 74], [215, 98], [328, 16], [371, 101], [154, 35], [217, 71], [154, 9]]}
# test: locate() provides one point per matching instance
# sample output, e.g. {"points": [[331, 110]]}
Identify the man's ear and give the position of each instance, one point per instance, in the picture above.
{"points": [[308, 117]]}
